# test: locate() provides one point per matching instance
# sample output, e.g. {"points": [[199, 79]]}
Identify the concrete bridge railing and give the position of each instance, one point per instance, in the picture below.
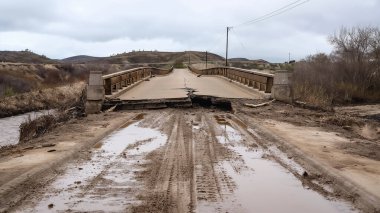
{"points": [[258, 80], [116, 81], [278, 84], [100, 85]]}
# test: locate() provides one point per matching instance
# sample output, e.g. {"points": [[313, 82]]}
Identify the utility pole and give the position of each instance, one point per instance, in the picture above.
{"points": [[228, 29], [289, 58], [206, 59]]}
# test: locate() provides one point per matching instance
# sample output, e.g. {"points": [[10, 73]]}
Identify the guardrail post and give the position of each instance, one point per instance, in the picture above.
{"points": [[95, 92], [281, 89]]}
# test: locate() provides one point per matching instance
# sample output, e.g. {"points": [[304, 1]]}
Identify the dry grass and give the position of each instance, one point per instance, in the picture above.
{"points": [[39, 126], [49, 98], [313, 95]]}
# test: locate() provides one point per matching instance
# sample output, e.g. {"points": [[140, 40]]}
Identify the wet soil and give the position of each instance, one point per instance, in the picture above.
{"points": [[208, 160]]}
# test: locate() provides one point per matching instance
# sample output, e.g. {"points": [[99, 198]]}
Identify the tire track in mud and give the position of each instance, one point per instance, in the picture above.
{"points": [[170, 173], [212, 181], [87, 186]]}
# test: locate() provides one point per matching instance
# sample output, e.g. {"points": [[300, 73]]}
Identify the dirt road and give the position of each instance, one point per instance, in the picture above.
{"points": [[193, 160], [174, 84]]}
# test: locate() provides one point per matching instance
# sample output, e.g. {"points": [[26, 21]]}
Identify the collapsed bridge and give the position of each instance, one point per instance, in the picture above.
{"points": [[148, 87]]}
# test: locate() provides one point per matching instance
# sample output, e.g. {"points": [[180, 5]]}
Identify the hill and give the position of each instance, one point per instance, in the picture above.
{"points": [[26, 56], [140, 57], [81, 59], [238, 59]]}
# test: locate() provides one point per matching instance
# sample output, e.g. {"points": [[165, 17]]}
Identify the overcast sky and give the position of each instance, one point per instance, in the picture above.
{"points": [[64, 28]]}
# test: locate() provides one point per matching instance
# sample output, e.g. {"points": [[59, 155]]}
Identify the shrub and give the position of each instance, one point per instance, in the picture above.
{"points": [[350, 74]]}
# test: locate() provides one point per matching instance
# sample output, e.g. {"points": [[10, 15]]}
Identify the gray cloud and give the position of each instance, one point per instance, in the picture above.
{"points": [[64, 28]]}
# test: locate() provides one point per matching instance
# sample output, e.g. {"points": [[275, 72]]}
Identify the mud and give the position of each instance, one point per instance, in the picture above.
{"points": [[106, 178], [208, 160]]}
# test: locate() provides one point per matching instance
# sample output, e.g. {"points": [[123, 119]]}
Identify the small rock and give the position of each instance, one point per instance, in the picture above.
{"points": [[48, 145], [347, 127], [305, 174], [28, 148], [50, 205], [78, 182], [80, 168], [51, 150]]}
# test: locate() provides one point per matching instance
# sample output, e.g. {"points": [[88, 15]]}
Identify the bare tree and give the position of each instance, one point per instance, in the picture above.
{"points": [[356, 51], [350, 73]]}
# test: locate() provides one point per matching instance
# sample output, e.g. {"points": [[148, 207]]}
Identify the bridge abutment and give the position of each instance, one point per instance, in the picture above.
{"points": [[282, 88], [95, 93]]}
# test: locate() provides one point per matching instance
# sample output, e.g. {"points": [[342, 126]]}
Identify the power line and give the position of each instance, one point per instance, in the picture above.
{"points": [[274, 13], [265, 17]]}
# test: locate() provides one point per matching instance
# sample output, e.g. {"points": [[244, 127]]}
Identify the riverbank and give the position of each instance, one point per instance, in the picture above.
{"points": [[49, 98]]}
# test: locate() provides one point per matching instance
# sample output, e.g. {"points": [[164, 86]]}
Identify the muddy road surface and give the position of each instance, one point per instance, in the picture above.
{"points": [[193, 160]]}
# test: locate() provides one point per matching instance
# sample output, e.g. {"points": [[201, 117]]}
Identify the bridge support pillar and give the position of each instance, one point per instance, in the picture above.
{"points": [[282, 88], [95, 93]]}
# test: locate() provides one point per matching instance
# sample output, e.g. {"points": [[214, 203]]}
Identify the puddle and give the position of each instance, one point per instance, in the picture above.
{"points": [[230, 135], [107, 180], [263, 185], [286, 160], [196, 127], [10, 126]]}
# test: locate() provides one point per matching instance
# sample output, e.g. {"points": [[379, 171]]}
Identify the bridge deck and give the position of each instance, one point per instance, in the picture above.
{"points": [[174, 84]]}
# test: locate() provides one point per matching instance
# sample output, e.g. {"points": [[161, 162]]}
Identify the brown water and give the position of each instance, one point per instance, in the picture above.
{"points": [[263, 185], [106, 182]]}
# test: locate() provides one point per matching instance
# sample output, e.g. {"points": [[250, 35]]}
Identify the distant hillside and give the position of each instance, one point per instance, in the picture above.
{"points": [[81, 59], [261, 61], [238, 59], [24, 57], [140, 57]]}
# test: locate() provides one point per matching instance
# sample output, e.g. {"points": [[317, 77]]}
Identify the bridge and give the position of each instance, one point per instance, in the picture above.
{"points": [[148, 87]]}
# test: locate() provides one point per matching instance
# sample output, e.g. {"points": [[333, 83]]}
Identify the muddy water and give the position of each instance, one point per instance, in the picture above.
{"points": [[106, 182], [262, 185], [9, 126]]}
